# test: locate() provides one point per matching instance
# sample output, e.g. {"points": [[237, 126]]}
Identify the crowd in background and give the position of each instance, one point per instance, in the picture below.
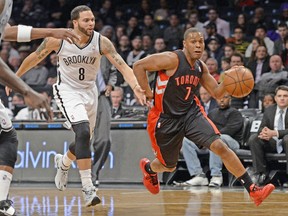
{"points": [[239, 32]]}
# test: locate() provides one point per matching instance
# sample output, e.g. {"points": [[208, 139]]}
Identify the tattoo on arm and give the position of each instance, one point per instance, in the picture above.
{"points": [[39, 50], [108, 46]]}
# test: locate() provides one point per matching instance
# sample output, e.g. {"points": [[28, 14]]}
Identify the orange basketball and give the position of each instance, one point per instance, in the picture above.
{"points": [[238, 81]]}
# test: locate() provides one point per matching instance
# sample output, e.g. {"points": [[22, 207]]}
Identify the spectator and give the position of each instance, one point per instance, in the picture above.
{"points": [[269, 81], [212, 65], [214, 49], [261, 32], [211, 32], [120, 30], [272, 134], [52, 73], [145, 8], [159, 45], [225, 65], [250, 54], [279, 45], [133, 29], [229, 50], [193, 19], [284, 54], [173, 34], [268, 100], [284, 14], [238, 40], [162, 13], [106, 12], [150, 27], [229, 121], [18, 103], [242, 23], [258, 67], [205, 56], [108, 31], [147, 44], [207, 101], [117, 96], [223, 27]]}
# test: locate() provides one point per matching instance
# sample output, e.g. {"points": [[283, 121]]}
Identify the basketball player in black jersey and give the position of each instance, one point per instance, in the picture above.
{"points": [[177, 112]]}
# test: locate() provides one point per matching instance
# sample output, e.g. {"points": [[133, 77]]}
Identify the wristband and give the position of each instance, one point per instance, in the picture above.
{"points": [[24, 33]]}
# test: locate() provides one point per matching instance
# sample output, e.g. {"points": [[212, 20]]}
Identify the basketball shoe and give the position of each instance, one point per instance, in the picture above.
{"points": [[6, 208], [90, 196], [259, 194], [61, 177], [150, 181]]}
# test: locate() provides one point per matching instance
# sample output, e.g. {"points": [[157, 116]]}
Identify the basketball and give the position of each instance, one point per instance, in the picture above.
{"points": [[238, 81]]}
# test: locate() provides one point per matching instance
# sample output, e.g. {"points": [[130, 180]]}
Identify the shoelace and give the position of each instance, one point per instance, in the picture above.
{"points": [[154, 179], [7, 203]]}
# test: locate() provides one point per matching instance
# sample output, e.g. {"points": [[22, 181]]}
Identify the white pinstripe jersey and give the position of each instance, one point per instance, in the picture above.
{"points": [[78, 66]]}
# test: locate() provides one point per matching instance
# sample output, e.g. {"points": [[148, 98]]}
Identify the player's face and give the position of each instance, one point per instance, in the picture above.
{"points": [[194, 45], [85, 23]]}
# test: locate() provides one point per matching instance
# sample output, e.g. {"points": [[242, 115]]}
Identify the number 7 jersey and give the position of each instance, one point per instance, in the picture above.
{"points": [[78, 66]]}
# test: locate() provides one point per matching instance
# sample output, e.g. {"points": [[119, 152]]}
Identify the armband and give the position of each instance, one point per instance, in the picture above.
{"points": [[24, 33]]}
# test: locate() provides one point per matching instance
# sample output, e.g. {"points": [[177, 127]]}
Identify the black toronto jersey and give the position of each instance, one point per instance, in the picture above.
{"points": [[174, 95]]}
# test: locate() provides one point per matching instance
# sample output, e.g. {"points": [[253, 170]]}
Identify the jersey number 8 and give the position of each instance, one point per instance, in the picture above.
{"points": [[81, 73]]}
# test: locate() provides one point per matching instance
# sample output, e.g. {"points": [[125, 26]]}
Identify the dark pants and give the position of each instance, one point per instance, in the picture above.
{"points": [[259, 148]]}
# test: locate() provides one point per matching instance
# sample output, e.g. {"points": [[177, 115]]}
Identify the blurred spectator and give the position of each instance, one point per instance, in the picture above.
{"points": [[258, 19], [269, 81], [52, 70], [106, 12], [120, 30], [132, 29], [18, 103], [108, 31], [268, 100], [225, 65], [186, 10], [212, 65], [261, 32], [193, 19], [117, 96], [98, 24], [173, 34], [223, 27], [205, 55], [242, 22], [250, 54], [211, 31], [145, 8], [119, 17], [6, 45], [272, 135], [60, 12], [147, 44], [214, 49], [279, 45], [136, 53], [162, 12], [150, 27], [24, 51], [229, 50], [284, 54], [258, 67], [284, 14], [159, 45], [238, 40], [207, 101]]}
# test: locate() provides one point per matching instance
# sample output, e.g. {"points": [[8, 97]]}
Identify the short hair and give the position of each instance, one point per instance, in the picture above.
{"points": [[281, 87], [188, 31], [77, 10], [282, 24], [237, 54]]}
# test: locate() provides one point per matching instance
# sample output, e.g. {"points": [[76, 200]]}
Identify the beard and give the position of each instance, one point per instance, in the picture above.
{"points": [[84, 31]]}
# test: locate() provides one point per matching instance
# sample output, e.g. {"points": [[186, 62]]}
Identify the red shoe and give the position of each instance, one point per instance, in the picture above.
{"points": [[259, 194], [150, 181]]}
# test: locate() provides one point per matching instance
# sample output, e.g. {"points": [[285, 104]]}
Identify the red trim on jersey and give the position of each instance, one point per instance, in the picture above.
{"points": [[198, 103], [161, 83], [152, 120]]}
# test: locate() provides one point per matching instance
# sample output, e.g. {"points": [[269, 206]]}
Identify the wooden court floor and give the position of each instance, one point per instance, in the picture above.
{"points": [[134, 200]]}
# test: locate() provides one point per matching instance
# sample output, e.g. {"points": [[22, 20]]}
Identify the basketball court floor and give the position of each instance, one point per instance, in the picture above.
{"points": [[134, 200]]}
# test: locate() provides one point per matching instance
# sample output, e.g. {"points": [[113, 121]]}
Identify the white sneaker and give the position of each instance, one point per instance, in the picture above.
{"points": [[198, 180], [6, 208], [216, 181], [90, 196], [61, 177]]}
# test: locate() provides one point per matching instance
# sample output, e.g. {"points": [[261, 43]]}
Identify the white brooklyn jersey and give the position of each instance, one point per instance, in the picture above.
{"points": [[78, 66], [5, 122]]}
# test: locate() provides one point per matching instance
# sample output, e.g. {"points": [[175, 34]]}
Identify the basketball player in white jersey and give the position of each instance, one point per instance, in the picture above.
{"points": [[8, 137], [76, 93]]}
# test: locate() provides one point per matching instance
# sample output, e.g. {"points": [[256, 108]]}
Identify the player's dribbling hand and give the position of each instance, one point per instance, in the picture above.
{"points": [[65, 34]]}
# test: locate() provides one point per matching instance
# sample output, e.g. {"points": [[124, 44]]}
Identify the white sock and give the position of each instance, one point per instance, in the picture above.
{"points": [[66, 161], [5, 180], [86, 177]]}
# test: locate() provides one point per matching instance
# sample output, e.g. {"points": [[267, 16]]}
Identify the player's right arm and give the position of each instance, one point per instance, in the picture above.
{"points": [[167, 61], [46, 47]]}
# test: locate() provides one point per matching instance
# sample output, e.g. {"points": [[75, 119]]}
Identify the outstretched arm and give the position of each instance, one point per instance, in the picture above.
{"points": [[11, 32], [110, 52]]}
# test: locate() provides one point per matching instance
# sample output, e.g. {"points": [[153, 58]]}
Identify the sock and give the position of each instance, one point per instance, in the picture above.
{"points": [[86, 177], [5, 180], [246, 181], [148, 169], [66, 161]]}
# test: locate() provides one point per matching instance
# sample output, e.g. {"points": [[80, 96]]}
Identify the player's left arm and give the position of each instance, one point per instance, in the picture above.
{"points": [[210, 84], [108, 49], [29, 33]]}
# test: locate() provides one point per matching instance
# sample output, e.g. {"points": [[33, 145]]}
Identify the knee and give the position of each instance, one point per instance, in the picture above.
{"points": [[82, 133], [252, 140], [219, 147], [285, 140], [8, 150]]}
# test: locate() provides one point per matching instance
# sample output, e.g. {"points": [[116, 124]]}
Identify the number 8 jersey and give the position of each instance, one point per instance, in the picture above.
{"points": [[78, 66]]}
